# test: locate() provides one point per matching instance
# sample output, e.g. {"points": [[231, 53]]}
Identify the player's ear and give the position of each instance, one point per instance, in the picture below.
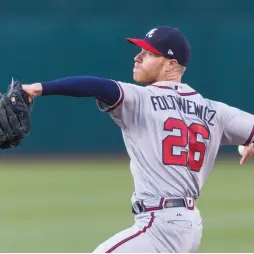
{"points": [[170, 65]]}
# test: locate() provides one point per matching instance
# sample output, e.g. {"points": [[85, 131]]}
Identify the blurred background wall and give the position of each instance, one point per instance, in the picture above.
{"points": [[49, 39]]}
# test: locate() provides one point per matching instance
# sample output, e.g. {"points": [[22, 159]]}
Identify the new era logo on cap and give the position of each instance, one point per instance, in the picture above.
{"points": [[170, 52], [166, 41]]}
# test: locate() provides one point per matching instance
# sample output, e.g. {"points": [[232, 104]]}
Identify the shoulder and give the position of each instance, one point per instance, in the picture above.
{"points": [[215, 104], [132, 88], [224, 111], [222, 107], [131, 85]]}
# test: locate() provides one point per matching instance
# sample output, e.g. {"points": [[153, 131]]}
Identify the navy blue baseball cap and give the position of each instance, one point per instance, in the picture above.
{"points": [[166, 41]]}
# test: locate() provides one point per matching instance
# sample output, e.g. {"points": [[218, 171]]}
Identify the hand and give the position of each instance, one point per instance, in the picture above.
{"points": [[33, 90], [248, 152]]}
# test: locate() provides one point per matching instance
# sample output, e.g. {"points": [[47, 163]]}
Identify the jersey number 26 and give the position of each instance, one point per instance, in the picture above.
{"points": [[191, 156]]}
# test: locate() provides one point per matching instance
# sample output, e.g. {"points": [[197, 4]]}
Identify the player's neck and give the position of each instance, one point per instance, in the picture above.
{"points": [[174, 77]]}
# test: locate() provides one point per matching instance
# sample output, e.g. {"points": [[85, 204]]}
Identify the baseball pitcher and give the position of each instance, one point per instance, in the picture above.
{"points": [[172, 135]]}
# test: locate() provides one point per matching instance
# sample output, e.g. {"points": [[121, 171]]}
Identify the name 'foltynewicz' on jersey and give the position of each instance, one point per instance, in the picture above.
{"points": [[170, 102]]}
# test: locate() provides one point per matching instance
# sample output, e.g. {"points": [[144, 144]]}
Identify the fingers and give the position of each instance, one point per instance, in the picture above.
{"points": [[244, 159], [28, 91], [248, 152], [245, 156]]}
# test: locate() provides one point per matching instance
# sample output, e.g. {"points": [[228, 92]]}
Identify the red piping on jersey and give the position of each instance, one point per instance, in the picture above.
{"points": [[133, 236], [182, 94], [119, 101], [250, 138]]}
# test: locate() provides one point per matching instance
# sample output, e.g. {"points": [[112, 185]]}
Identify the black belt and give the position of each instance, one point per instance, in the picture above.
{"points": [[168, 203]]}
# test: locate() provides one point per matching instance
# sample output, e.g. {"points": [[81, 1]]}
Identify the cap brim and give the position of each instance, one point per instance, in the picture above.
{"points": [[144, 45]]}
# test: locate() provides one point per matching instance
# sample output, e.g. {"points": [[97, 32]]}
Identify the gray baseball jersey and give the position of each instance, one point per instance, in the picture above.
{"points": [[172, 135]]}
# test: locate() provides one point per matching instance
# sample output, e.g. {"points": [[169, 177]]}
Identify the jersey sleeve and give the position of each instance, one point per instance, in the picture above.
{"points": [[125, 112], [238, 126]]}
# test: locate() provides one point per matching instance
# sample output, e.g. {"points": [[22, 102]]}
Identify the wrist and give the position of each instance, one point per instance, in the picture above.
{"points": [[37, 89]]}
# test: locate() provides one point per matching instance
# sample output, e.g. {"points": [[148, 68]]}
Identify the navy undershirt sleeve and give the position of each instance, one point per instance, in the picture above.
{"points": [[83, 86]]}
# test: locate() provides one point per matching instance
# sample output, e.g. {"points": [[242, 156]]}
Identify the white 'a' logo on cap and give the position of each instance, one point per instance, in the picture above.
{"points": [[150, 34]]}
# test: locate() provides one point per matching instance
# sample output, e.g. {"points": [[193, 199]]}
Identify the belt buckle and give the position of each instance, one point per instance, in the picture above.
{"points": [[189, 202]]}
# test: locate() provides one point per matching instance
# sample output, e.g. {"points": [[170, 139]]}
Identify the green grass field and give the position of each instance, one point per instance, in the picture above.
{"points": [[73, 207]]}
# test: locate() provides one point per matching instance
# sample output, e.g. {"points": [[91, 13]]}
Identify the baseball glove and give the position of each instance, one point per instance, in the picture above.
{"points": [[15, 111]]}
